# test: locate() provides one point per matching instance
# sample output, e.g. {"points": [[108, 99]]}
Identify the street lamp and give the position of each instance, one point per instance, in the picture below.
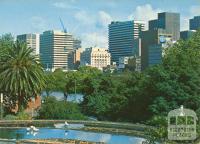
{"points": [[1, 106]]}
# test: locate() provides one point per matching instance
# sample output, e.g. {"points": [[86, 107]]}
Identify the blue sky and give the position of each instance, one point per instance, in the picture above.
{"points": [[86, 19]]}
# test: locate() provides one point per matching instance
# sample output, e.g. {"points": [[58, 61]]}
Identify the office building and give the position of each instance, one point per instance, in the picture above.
{"points": [[32, 41], [153, 24], [55, 49], [122, 37], [153, 43], [138, 64], [132, 62], [95, 57], [187, 34], [76, 43], [168, 21], [195, 23], [123, 61], [77, 57]]}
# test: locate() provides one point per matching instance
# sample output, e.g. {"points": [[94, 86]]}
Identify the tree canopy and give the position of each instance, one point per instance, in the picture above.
{"points": [[21, 74]]}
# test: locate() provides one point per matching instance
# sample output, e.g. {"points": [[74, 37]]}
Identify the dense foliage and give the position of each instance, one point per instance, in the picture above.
{"points": [[126, 96], [53, 109], [21, 74], [135, 97]]}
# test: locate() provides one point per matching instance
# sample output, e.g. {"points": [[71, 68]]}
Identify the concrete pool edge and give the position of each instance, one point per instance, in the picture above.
{"points": [[49, 141], [94, 126]]}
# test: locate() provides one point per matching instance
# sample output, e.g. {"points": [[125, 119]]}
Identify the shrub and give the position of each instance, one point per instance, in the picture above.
{"points": [[54, 109], [10, 117], [23, 116]]}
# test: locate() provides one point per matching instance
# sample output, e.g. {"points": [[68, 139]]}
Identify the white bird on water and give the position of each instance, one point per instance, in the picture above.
{"points": [[32, 128]]}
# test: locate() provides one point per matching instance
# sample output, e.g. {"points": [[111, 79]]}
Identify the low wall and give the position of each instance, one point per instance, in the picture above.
{"points": [[96, 126], [56, 141]]}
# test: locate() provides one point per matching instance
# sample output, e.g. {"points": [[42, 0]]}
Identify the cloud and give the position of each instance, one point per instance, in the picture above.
{"points": [[195, 10], [63, 5], [59, 5], [104, 18], [94, 39], [38, 23], [144, 13], [84, 18], [94, 28]]}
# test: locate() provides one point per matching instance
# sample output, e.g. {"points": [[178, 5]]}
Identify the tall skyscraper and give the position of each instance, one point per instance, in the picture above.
{"points": [[55, 49], [122, 37], [195, 23], [32, 41], [168, 21], [153, 43]]}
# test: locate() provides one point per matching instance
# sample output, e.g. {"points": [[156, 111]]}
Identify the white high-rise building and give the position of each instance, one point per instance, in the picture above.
{"points": [[95, 57], [32, 41], [55, 50]]}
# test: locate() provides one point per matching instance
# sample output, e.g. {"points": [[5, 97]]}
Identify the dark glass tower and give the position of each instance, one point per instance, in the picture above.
{"points": [[195, 23], [169, 22]]}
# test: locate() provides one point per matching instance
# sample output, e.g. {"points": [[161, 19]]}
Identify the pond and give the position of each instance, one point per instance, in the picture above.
{"points": [[45, 133]]}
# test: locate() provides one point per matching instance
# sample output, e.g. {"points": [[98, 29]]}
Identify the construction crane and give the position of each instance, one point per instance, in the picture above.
{"points": [[64, 29]]}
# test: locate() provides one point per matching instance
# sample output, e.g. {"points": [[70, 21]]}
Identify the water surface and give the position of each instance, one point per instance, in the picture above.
{"points": [[45, 133]]}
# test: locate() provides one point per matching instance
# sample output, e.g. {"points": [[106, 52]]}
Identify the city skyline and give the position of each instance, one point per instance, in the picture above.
{"points": [[87, 20]]}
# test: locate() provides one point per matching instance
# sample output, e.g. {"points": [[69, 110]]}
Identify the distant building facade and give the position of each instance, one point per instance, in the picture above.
{"points": [[122, 37], [187, 34], [55, 49], [95, 57], [76, 43], [153, 42], [195, 23], [32, 41], [162, 31], [77, 57], [131, 61], [123, 61], [168, 21]]}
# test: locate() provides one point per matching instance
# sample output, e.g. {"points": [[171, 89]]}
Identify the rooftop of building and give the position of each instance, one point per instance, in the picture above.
{"points": [[170, 13], [196, 17], [131, 21], [56, 32], [96, 49], [189, 31]]}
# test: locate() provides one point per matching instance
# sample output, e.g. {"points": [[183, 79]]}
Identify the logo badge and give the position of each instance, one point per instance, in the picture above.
{"points": [[182, 124]]}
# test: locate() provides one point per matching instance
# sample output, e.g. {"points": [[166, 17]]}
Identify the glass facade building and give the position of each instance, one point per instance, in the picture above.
{"points": [[122, 37], [168, 21], [153, 42], [187, 34], [195, 23]]}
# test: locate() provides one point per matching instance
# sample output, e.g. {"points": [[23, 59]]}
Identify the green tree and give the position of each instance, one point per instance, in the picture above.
{"points": [[51, 82], [131, 64], [53, 109], [177, 80], [21, 74], [6, 42]]}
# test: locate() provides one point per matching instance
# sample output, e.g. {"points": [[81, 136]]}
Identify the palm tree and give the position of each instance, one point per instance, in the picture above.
{"points": [[21, 74]]}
